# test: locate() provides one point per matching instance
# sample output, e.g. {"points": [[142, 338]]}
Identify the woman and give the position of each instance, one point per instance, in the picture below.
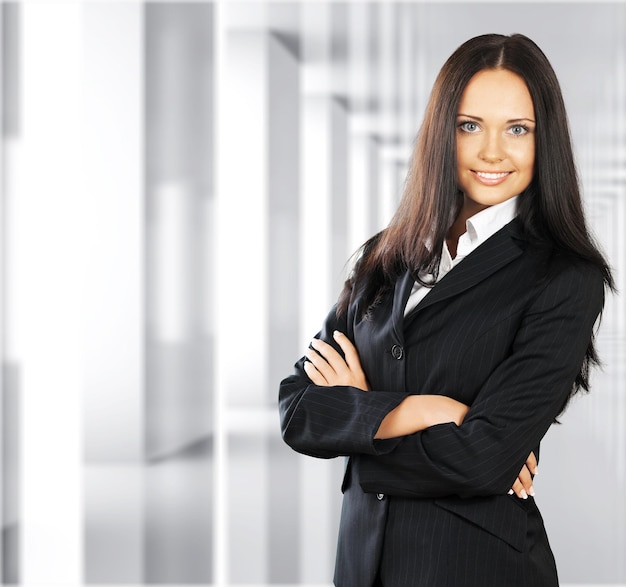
{"points": [[461, 334]]}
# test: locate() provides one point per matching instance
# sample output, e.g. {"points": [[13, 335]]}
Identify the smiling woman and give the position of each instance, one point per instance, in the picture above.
{"points": [[463, 331], [495, 143]]}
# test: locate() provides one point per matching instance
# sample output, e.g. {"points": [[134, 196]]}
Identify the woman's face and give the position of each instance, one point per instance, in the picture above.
{"points": [[495, 139]]}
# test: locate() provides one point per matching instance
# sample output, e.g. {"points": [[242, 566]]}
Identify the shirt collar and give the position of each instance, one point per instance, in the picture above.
{"points": [[478, 229], [490, 220]]}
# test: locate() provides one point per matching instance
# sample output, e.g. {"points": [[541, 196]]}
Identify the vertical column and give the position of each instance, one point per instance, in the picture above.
{"points": [[316, 235], [363, 190], [179, 94], [324, 183], [364, 163], [389, 187], [360, 160], [179, 344], [407, 88], [47, 218], [3, 489], [419, 54], [316, 539], [337, 123], [284, 288], [619, 172], [114, 349], [4, 523], [9, 355], [241, 290], [324, 252], [618, 259], [256, 290]]}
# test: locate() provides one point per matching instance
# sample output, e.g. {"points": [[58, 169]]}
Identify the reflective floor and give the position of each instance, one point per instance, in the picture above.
{"points": [[151, 523]]}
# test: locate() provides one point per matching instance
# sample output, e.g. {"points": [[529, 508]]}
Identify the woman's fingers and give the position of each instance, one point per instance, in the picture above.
{"points": [[531, 463], [330, 355], [358, 378], [314, 375], [526, 479], [320, 364], [518, 489], [349, 350], [332, 367], [523, 486]]}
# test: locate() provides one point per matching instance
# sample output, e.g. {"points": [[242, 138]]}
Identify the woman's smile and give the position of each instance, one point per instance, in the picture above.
{"points": [[491, 177]]}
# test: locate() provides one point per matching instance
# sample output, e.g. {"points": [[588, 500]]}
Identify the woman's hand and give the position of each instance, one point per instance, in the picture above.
{"points": [[523, 486], [325, 366]]}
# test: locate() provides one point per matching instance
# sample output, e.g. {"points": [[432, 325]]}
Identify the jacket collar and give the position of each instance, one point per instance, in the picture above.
{"points": [[496, 252]]}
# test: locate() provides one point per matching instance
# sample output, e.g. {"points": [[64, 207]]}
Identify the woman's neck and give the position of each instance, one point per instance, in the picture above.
{"points": [[459, 227], [454, 233]]}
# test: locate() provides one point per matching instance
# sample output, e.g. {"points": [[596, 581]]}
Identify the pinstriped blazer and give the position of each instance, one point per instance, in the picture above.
{"points": [[505, 332]]}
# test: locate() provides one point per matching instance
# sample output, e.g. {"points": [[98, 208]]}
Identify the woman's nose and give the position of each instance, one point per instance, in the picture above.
{"points": [[491, 150]]}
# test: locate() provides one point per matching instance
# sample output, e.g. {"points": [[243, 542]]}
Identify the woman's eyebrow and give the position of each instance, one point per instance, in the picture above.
{"points": [[479, 119]]}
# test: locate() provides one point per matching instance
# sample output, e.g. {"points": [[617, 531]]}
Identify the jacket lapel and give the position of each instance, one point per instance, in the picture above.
{"points": [[496, 252], [400, 297]]}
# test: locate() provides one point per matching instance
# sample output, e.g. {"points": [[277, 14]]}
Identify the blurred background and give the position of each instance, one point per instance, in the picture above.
{"points": [[181, 186]]}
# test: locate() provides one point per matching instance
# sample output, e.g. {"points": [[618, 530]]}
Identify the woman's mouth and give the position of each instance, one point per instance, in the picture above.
{"points": [[491, 177]]}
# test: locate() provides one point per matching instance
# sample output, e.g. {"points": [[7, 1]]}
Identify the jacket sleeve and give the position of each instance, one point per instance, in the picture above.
{"points": [[332, 421], [512, 411]]}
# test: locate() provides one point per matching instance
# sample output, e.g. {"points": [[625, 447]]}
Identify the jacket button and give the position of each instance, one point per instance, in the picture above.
{"points": [[380, 496], [397, 352]]}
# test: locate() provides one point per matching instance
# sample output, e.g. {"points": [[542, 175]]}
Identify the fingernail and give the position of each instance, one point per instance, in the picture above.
{"points": [[336, 333], [510, 492], [531, 491], [523, 494], [536, 469]]}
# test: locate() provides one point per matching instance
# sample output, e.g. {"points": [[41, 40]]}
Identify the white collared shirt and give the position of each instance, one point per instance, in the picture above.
{"points": [[478, 229]]}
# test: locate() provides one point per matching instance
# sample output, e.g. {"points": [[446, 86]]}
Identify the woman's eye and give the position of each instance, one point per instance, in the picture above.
{"points": [[518, 130], [468, 126]]}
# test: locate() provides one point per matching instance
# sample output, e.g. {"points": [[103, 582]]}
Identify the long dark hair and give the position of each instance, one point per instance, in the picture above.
{"points": [[550, 209]]}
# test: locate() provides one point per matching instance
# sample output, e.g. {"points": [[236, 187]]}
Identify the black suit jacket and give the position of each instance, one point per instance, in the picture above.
{"points": [[505, 332]]}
